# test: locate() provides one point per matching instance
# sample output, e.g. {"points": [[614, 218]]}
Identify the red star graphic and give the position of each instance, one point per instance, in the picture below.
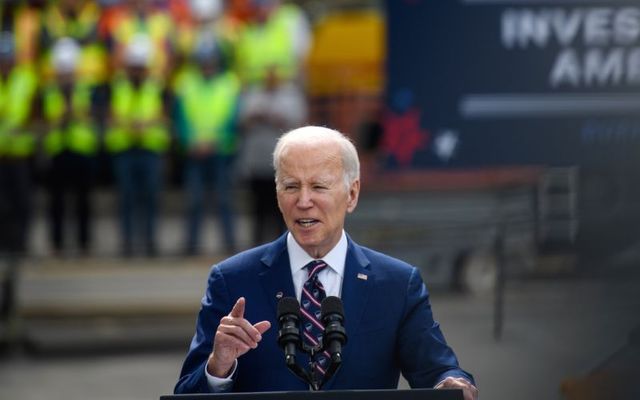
{"points": [[403, 135]]}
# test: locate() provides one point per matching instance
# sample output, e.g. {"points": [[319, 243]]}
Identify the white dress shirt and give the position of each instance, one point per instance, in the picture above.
{"points": [[331, 279]]}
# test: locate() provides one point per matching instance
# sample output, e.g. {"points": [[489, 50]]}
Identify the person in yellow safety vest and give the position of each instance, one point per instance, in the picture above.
{"points": [[137, 137], [209, 17], [206, 114], [71, 144], [78, 20], [278, 36], [141, 17], [18, 85]]}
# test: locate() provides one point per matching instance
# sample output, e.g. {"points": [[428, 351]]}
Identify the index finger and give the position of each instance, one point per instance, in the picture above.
{"points": [[238, 309]]}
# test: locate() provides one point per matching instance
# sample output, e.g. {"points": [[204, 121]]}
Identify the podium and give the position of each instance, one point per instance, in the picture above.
{"points": [[387, 394]]}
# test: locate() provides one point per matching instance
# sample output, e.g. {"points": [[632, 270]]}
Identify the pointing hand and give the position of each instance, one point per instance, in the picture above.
{"points": [[235, 336]]}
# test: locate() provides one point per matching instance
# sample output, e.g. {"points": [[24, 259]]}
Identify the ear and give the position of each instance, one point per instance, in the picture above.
{"points": [[354, 192], [278, 200]]}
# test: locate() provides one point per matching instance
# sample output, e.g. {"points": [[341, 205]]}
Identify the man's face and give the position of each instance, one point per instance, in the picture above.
{"points": [[263, 9], [70, 4], [136, 73], [208, 68], [312, 195]]}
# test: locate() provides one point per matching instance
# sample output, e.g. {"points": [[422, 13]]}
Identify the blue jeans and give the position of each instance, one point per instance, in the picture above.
{"points": [[139, 178], [211, 172]]}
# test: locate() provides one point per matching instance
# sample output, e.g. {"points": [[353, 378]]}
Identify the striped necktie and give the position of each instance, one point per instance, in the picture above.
{"points": [[312, 295]]}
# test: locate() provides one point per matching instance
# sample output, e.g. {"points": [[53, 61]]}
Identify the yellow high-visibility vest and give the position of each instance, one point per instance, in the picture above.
{"points": [[267, 45], [130, 106], [17, 93], [209, 106], [80, 135]]}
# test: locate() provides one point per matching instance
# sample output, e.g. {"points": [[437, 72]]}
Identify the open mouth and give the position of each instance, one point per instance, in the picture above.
{"points": [[306, 222]]}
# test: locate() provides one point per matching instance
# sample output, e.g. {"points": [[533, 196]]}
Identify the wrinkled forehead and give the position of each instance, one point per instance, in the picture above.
{"points": [[310, 149], [311, 158]]}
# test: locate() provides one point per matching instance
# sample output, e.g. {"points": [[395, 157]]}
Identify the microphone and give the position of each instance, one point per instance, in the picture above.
{"points": [[334, 336], [289, 333]]}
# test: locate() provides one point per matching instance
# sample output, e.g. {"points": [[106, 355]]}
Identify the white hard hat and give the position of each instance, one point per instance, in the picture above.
{"points": [[206, 9], [65, 55], [138, 51]]}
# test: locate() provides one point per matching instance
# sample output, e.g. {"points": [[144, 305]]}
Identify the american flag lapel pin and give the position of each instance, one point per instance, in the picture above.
{"points": [[362, 276]]}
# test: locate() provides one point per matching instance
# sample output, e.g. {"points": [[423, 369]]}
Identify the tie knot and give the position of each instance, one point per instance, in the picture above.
{"points": [[314, 267]]}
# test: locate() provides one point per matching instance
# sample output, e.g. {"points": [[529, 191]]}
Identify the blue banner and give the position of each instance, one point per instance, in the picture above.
{"points": [[479, 83]]}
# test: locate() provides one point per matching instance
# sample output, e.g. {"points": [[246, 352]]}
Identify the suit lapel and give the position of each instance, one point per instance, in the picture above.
{"points": [[276, 276], [356, 285], [277, 282]]}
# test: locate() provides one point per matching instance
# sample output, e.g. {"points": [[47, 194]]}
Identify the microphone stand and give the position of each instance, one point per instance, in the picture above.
{"points": [[307, 375], [300, 372], [333, 338]]}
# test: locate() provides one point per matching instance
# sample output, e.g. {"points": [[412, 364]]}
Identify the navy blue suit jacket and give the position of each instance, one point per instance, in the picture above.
{"points": [[388, 321]]}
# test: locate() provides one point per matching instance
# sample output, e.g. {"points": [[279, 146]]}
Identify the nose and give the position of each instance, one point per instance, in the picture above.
{"points": [[304, 198]]}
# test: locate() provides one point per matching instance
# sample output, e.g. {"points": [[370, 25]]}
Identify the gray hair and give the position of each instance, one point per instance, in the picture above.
{"points": [[311, 134]]}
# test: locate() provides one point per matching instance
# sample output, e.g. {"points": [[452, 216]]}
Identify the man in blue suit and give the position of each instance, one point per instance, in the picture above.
{"points": [[386, 305]]}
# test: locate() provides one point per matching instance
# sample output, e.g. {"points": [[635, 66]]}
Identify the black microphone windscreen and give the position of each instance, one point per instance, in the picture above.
{"points": [[332, 305], [288, 305]]}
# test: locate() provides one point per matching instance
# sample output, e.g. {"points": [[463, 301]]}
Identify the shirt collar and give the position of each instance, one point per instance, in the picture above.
{"points": [[335, 259]]}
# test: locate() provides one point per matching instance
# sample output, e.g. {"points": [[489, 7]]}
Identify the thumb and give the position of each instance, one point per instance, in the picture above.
{"points": [[238, 309], [262, 326]]}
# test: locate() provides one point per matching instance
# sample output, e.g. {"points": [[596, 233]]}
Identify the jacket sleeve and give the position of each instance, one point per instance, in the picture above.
{"points": [[215, 304], [425, 357]]}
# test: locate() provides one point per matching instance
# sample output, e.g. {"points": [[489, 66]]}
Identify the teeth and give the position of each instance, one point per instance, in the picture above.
{"points": [[306, 222]]}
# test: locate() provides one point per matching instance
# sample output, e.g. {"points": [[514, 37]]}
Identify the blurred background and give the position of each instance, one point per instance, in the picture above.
{"points": [[500, 149]]}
